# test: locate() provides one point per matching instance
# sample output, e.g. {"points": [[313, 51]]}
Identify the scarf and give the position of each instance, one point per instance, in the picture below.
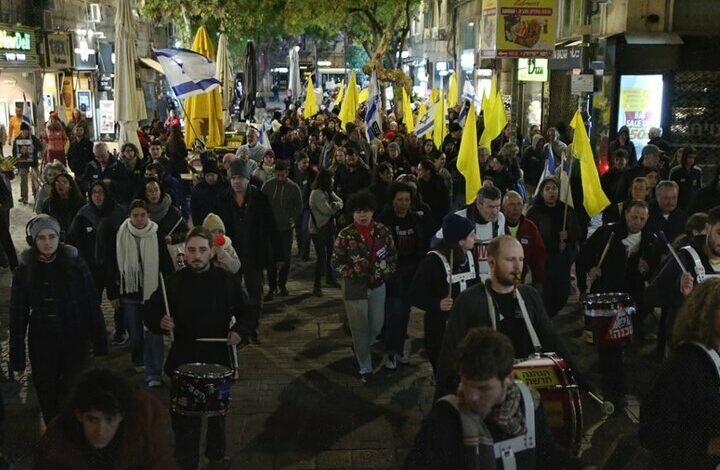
{"points": [[365, 232], [508, 418], [159, 211], [138, 258]]}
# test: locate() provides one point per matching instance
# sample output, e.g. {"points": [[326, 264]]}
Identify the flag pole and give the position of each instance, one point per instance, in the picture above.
{"points": [[188, 121], [567, 190]]}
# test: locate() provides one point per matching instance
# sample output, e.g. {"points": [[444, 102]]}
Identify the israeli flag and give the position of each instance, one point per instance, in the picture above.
{"points": [[463, 114], [427, 122], [262, 135], [187, 72], [373, 129], [549, 169]]}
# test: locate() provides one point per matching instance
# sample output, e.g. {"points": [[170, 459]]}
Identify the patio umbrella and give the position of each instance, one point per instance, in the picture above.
{"points": [[294, 75], [250, 81], [204, 112], [224, 73], [127, 106]]}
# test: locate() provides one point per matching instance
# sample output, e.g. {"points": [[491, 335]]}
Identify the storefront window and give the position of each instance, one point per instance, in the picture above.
{"points": [[532, 97]]}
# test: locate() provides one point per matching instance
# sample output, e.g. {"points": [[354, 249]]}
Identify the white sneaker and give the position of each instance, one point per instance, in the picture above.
{"points": [[154, 383], [401, 359], [391, 363]]}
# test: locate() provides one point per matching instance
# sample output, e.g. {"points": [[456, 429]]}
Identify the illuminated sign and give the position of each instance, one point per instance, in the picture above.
{"points": [[15, 40], [640, 106], [533, 70]]}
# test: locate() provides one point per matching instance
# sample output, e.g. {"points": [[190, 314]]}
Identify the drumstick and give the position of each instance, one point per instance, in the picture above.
{"points": [[451, 271], [665, 240], [236, 375], [167, 306], [607, 407], [605, 251], [175, 226], [211, 340]]}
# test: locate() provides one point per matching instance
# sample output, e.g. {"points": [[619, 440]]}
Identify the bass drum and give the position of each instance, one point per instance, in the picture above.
{"points": [[551, 376], [608, 319], [201, 390]]}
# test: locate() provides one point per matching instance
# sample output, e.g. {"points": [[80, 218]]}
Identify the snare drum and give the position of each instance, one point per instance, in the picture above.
{"points": [[551, 376], [201, 390], [608, 318]]}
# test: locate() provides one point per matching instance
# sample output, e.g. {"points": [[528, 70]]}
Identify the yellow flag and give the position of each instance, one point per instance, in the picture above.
{"points": [[452, 92], [363, 96], [467, 161], [407, 112], [311, 108], [433, 95], [495, 121], [439, 126], [350, 103], [339, 97], [594, 198]]}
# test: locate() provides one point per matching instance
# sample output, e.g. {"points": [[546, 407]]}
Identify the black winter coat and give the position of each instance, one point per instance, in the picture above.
{"points": [[79, 155], [673, 226], [115, 172]]}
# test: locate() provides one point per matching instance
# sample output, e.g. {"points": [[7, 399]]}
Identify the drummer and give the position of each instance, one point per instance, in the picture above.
{"points": [[631, 257], [488, 408], [504, 304], [202, 299]]}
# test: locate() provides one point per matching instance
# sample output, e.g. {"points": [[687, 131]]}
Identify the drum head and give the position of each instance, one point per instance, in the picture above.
{"points": [[200, 369]]}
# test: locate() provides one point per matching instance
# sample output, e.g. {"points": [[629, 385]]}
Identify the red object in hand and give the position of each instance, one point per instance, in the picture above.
{"points": [[219, 240]]}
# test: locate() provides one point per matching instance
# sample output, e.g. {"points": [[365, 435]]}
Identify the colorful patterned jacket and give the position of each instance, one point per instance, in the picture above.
{"points": [[351, 255]]}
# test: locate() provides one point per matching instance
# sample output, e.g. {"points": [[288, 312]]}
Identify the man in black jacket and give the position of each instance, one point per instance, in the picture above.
{"points": [[488, 407], [352, 177], [80, 152], [202, 299], [107, 169], [665, 214], [250, 224], [471, 309], [207, 192]]}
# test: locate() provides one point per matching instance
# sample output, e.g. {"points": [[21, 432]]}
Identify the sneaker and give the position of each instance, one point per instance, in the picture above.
{"points": [[154, 383], [122, 338], [401, 359], [283, 292], [391, 363], [139, 369], [365, 378]]}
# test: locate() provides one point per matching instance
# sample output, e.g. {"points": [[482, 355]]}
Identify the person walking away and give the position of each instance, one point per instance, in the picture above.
{"points": [[324, 205]]}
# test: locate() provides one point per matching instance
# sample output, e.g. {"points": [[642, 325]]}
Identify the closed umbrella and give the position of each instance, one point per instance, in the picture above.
{"points": [[127, 106], [250, 80], [204, 111], [294, 75], [224, 73]]}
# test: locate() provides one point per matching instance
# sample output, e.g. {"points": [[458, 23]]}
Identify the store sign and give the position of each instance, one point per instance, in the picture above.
{"points": [[533, 70], [518, 28], [85, 57], [58, 51], [15, 40], [640, 106], [107, 116]]}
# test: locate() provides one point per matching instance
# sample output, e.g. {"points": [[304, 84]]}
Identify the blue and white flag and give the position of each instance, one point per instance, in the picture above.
{"points": [[262, 135], [373, 128], [187, 72], [427, 122], [549, 169], [463, 114]]}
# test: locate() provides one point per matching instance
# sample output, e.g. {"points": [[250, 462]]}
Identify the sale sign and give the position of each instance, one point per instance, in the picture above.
{"points": [[640, 106]]}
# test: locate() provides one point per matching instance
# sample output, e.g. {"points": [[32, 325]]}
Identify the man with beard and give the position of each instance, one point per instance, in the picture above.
{"points": [[489, 223], [527, 233], [700, 260], [202, 299], [252, 147], [503, 305]]}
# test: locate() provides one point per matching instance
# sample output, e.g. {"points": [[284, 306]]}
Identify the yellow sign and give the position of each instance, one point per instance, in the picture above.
{"points": [[538, 378], [518, 28]]}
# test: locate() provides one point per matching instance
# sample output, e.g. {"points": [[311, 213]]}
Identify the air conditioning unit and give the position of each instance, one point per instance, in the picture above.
{"points": [[47, 20], [95, 13]]}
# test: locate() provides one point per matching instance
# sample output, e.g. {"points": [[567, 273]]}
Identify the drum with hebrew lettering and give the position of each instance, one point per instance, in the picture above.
{"points": [[551, 376], [608, 318], [201, 390]]}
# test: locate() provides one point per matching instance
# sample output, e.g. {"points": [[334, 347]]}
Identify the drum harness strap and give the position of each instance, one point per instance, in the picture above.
{"points": [[505, 450], [700, 273], [462, 278], [523, 309], [712, 354]]}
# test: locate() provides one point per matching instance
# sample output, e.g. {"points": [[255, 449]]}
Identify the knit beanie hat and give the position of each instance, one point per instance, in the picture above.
{"points": [[211, 166], [213, 222], [238, 167], [24, 126], [42, 222], [456, 227]]}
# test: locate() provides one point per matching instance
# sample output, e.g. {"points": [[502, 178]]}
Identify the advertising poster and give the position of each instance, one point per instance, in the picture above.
{"points": [[107, 117], [518, 28], [640, 106]]}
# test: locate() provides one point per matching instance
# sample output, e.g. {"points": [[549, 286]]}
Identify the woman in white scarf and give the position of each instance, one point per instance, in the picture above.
{"points": [[138, 259]]}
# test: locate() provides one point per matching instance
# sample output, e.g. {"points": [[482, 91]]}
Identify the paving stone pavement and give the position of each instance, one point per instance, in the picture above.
{"points": [[299, 403]]}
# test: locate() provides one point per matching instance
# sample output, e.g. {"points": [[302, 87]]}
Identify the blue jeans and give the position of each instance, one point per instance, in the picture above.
{"points": [[397, 316], [147, 348]]}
